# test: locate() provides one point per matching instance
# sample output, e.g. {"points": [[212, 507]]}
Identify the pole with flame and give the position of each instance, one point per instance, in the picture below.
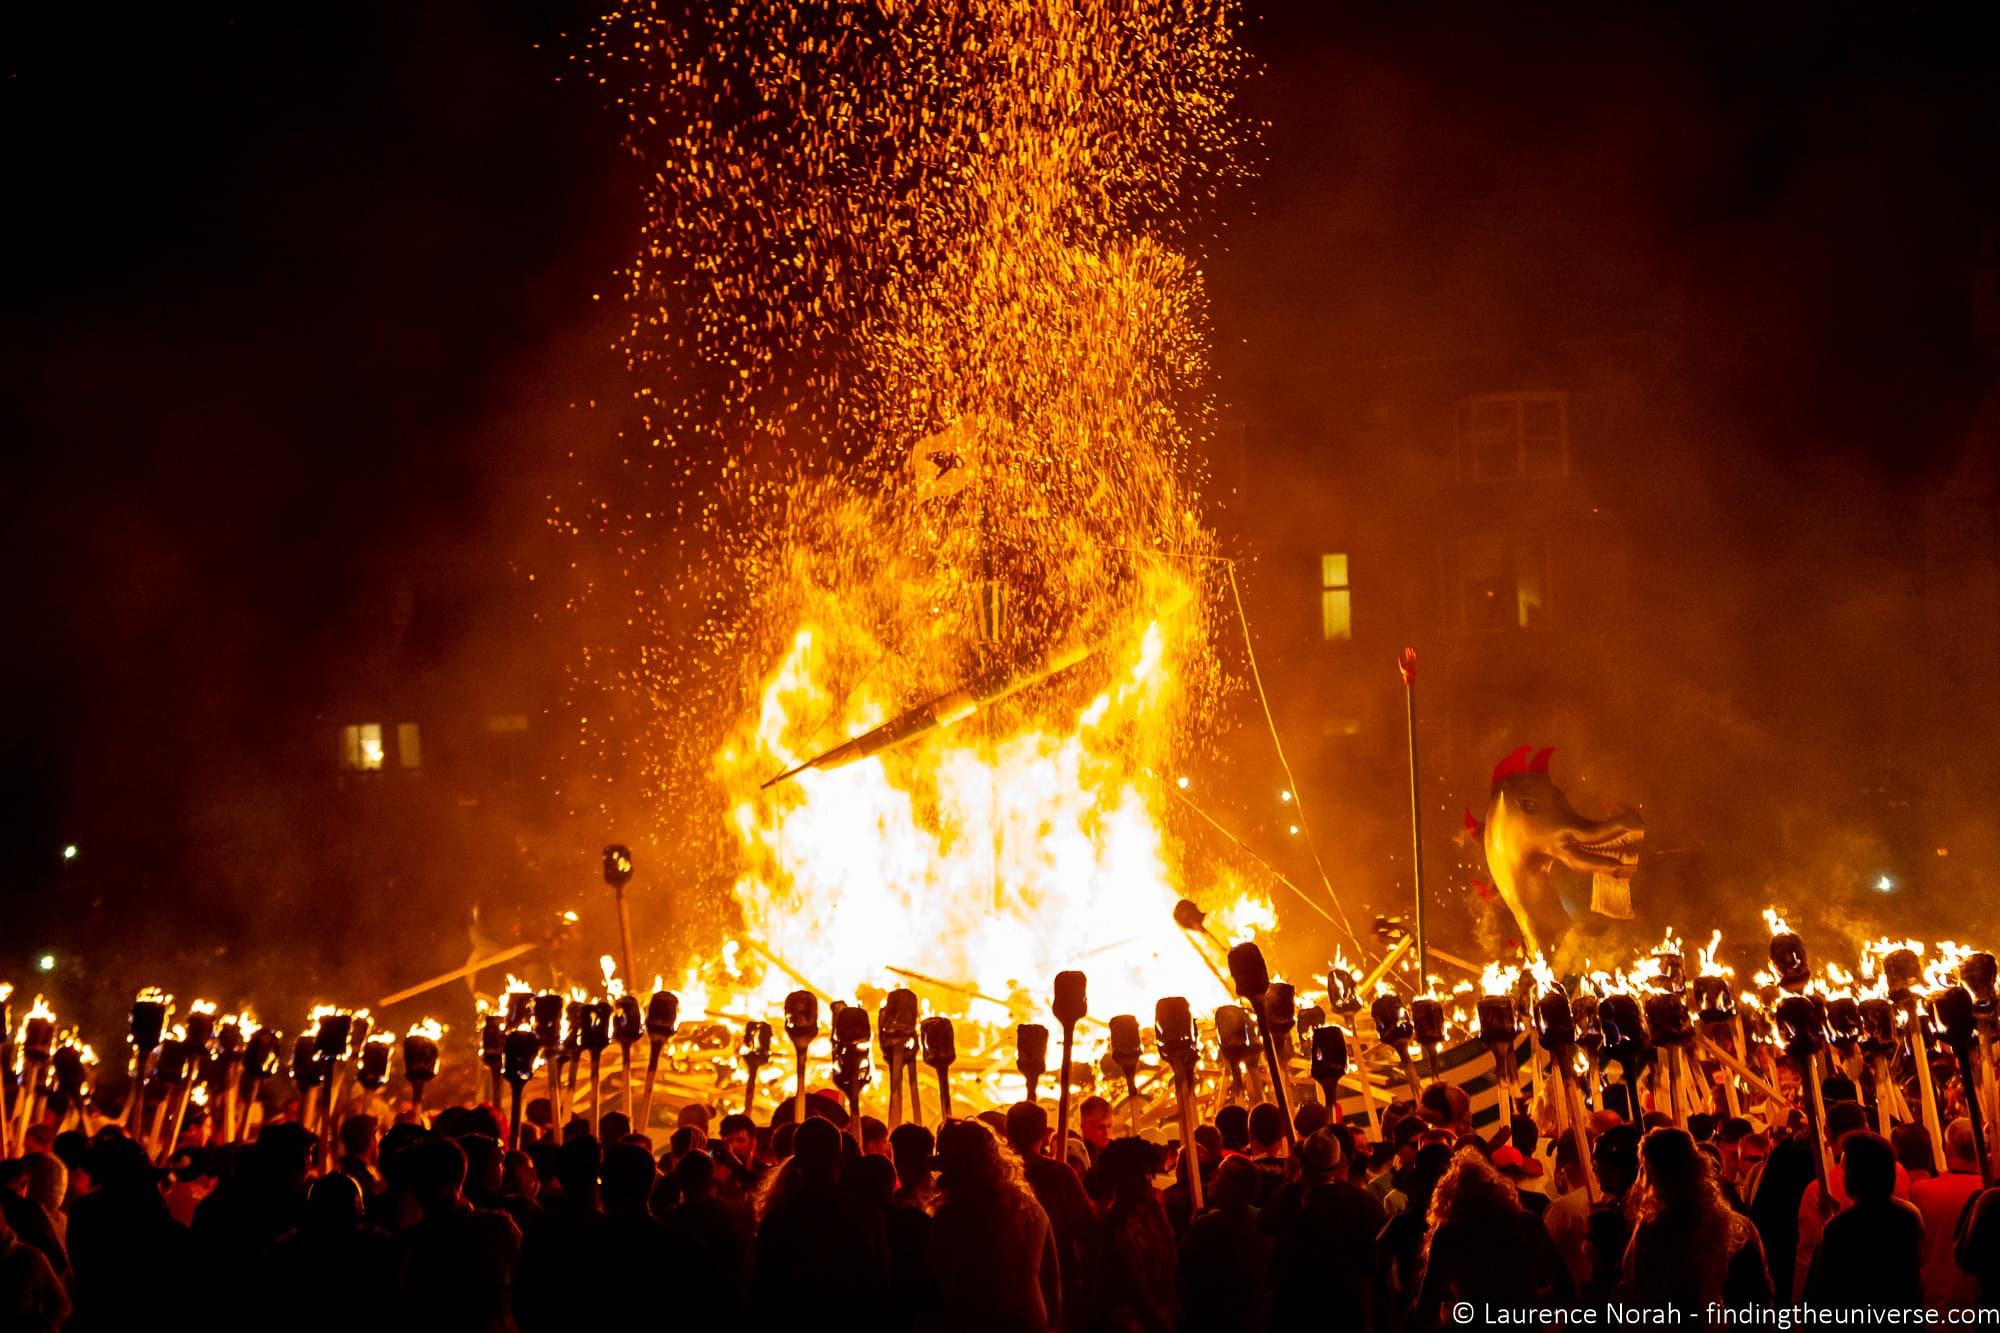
{"points": [[38, 1035], [519, 1053], [1904, 972], [420, 1061], [628, 1024], [1556, 1030], [1173, 1028], [618, 867], [801, 1025], [1069, 1005], [1981, 976], [548, 1018], [261, 1052], [1959, 1024], [1406, 665], [1343, 997], [1126, 1050], [940, 1050], [594, 1037], [896, 1031], [147, 1026], [851, 1068], [755, 1053], [1031, 1056], [1799, 1025]]}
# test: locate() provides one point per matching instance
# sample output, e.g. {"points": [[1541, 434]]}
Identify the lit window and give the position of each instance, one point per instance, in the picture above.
{"points": [[1504, 583], [1514, 435], [409, 745], [361, 747], [1336, 605]]}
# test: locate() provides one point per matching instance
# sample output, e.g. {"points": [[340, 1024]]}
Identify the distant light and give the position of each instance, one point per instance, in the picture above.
{"points": [[69, 852], [1944, 851], [1294, 830], [1885, 885], [1181, 782], [1285, 796], [47, 962]]}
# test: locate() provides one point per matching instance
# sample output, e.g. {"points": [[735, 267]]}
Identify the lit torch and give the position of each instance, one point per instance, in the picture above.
{"points": [[1173, 1028], [663, 1015], [148, 1025], [420, 1061]]}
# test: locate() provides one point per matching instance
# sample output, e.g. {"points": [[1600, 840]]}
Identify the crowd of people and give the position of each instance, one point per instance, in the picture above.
{"points": [[988, 1222]]}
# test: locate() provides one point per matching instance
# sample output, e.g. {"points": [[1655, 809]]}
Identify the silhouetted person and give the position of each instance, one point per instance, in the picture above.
{"points": [[812, 1239], [1872, 1251], [646, 1258], [1942, 1201], [871, 1182], [1225, 1258], [564, 1242], [990, 1248], [1073, 1221], [911, 1148], [1484, 1247], [33, 1222], [458, 1262], [1141, 1256], [1400, 1245], [125, 1249], [32, 1297], [1325, 1227], [725, 1231], [1690, 1248], [1978, 1248], [262, 1194], [333, 1243]]}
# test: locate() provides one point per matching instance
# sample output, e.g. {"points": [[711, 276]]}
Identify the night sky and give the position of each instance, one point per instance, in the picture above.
{"points": [[298, 301]]}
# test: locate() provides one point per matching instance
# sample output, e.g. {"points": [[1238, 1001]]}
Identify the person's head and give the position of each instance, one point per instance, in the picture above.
{"points": [[816, 1150], [577, 1165], [874, 1137], [1838, 1088], [1523, 1134], [1310, 1117], [435, 1170], [694, 1115], [335, 1202], [873, 1180], [1842, 1119], [738, 1133], [518, 1178], [686, 1139], [1322, 1156], [1959, 1152], [1912, 1143], [1867, 1166], [1701, 1127], [482, 1164], [1094, 1120], [694, 1176], [48, 1179], [284, 1154], [910, 1148], [1677, 1175], [1728, 1136], [1473, 1195], [357, 1137], [1404, 1134], [781, 1141], [1426, 1170], [1207, 1145], [1267, 1129], [1027, 1128], [629, 1177], [1125, 1170], [1615, 1156], [973, 1163], [1445, 1106], [1234, 1186], [1233, 1123], [613, 1127]]}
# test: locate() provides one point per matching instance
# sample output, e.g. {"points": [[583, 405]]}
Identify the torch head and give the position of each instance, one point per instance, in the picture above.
{"points": [[1280, 1010], [1310, 1019], [1427, 1021], [1667, 1016], [1125, 1043], [1031, 1050], [896, 1021], [1589, 1028], [1341, 996], [1624, 1024], [756, 1049], [663, 1014], [1232, 1032], [149, 1023], [1801, 1025], [1070, 1004], [1247, 971], [596, 1026], [940, 1042], [1843, 1019], [492, 1040], [357, 1034], [1555, 1019], [850, 1048], [549, 1021], [628, 1021], [1788, 957], [520, 1009], [372, 1069], [334, 1030], [518, 1058], [200, 1028], [1173, 1028], [308, 1068], [1392, 1020], [1904, 970], [801, 1017], [1952, 1007], [67, 1063], [1187, 916], [575, 1014], [1878, 1026], [618, 865], [1329, 1055], [1978, 972], [37, 1035], [1713, 999], [229, 1039], [420, 1057], [260, 1054]]}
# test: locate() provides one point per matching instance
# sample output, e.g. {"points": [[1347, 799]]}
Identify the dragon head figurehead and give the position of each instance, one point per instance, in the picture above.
{"points": [[1530, 828]]}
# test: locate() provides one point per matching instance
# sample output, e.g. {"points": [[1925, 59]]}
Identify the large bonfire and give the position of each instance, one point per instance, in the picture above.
{"points": [[918, 338]]}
